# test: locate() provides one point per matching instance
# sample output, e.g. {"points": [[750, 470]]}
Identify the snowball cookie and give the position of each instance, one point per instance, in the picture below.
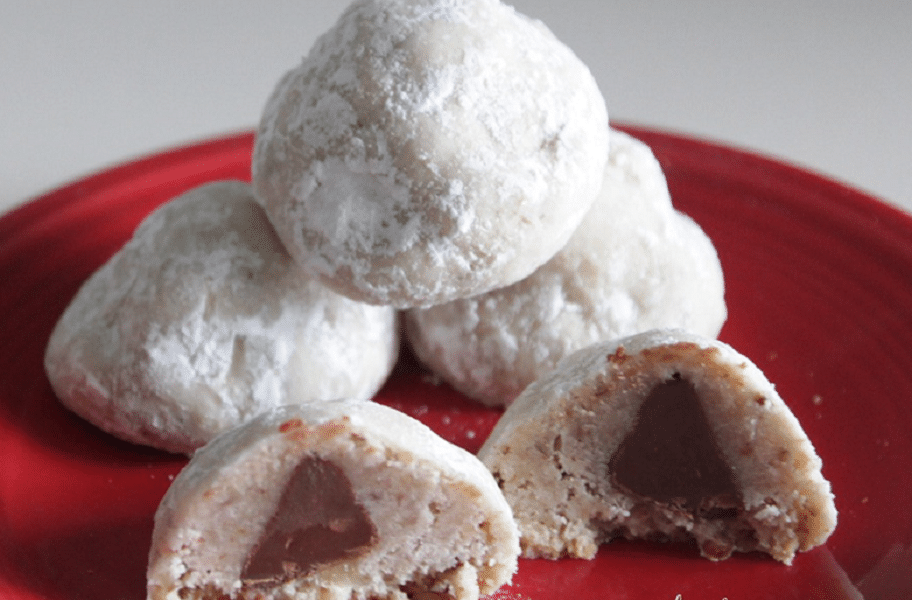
{"points": [[202, 320], [427, 150], [634, 264], [332, 500], [662, 435]]}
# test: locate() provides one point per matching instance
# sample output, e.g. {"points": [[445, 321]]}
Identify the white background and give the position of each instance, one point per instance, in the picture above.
{"points": [[825, 85]]}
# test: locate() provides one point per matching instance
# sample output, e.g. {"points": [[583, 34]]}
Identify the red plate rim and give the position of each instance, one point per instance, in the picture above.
{"points": [[870, 228]]}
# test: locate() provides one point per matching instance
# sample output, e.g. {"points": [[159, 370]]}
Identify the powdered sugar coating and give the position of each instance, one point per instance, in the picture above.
{"points": [[202, 320], [442, 523], [429, 150], [552, 447], [634, 264]]}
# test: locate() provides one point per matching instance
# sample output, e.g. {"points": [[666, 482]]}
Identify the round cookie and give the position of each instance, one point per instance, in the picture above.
{"points": [[634, 264], [664, 435], [202, 320], [430, 150], [332, 500]]}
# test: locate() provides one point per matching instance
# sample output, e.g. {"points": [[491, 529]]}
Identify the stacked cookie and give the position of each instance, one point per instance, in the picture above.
{"points": [[447, 161], [634, 264], [462, 172], [432, 150]]}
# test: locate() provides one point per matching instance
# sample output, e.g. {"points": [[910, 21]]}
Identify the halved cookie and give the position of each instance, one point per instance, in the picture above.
{"points": [[661, 435], [340, 499]]}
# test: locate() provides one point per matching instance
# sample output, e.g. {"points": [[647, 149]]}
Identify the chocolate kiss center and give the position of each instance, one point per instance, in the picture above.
{"points": [[317, 521], [671, 455]]}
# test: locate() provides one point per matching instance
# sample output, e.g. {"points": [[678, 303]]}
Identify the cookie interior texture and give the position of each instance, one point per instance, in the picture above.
{"points": [[663, 435], [338, 500]]}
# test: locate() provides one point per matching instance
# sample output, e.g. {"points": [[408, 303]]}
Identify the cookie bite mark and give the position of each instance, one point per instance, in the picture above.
{"points": [[316, 522]]}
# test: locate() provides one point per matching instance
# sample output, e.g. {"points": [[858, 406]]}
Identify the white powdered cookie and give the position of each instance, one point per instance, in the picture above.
{"points": [[347, 500], [634, 264], [202, 320], [427, 150], [663, 435]]}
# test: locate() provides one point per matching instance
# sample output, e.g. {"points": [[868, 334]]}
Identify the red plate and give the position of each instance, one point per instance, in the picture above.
{"points": [[819, 287]]}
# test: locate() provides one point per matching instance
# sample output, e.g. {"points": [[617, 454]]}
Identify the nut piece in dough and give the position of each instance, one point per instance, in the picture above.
{"points": [[202, 320], [634, 264], [662, 435], [333, 500], [427, 150]]}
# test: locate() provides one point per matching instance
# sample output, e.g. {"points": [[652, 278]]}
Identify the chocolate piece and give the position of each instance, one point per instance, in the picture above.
{"points": [[671, 455], [317, 521]]}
